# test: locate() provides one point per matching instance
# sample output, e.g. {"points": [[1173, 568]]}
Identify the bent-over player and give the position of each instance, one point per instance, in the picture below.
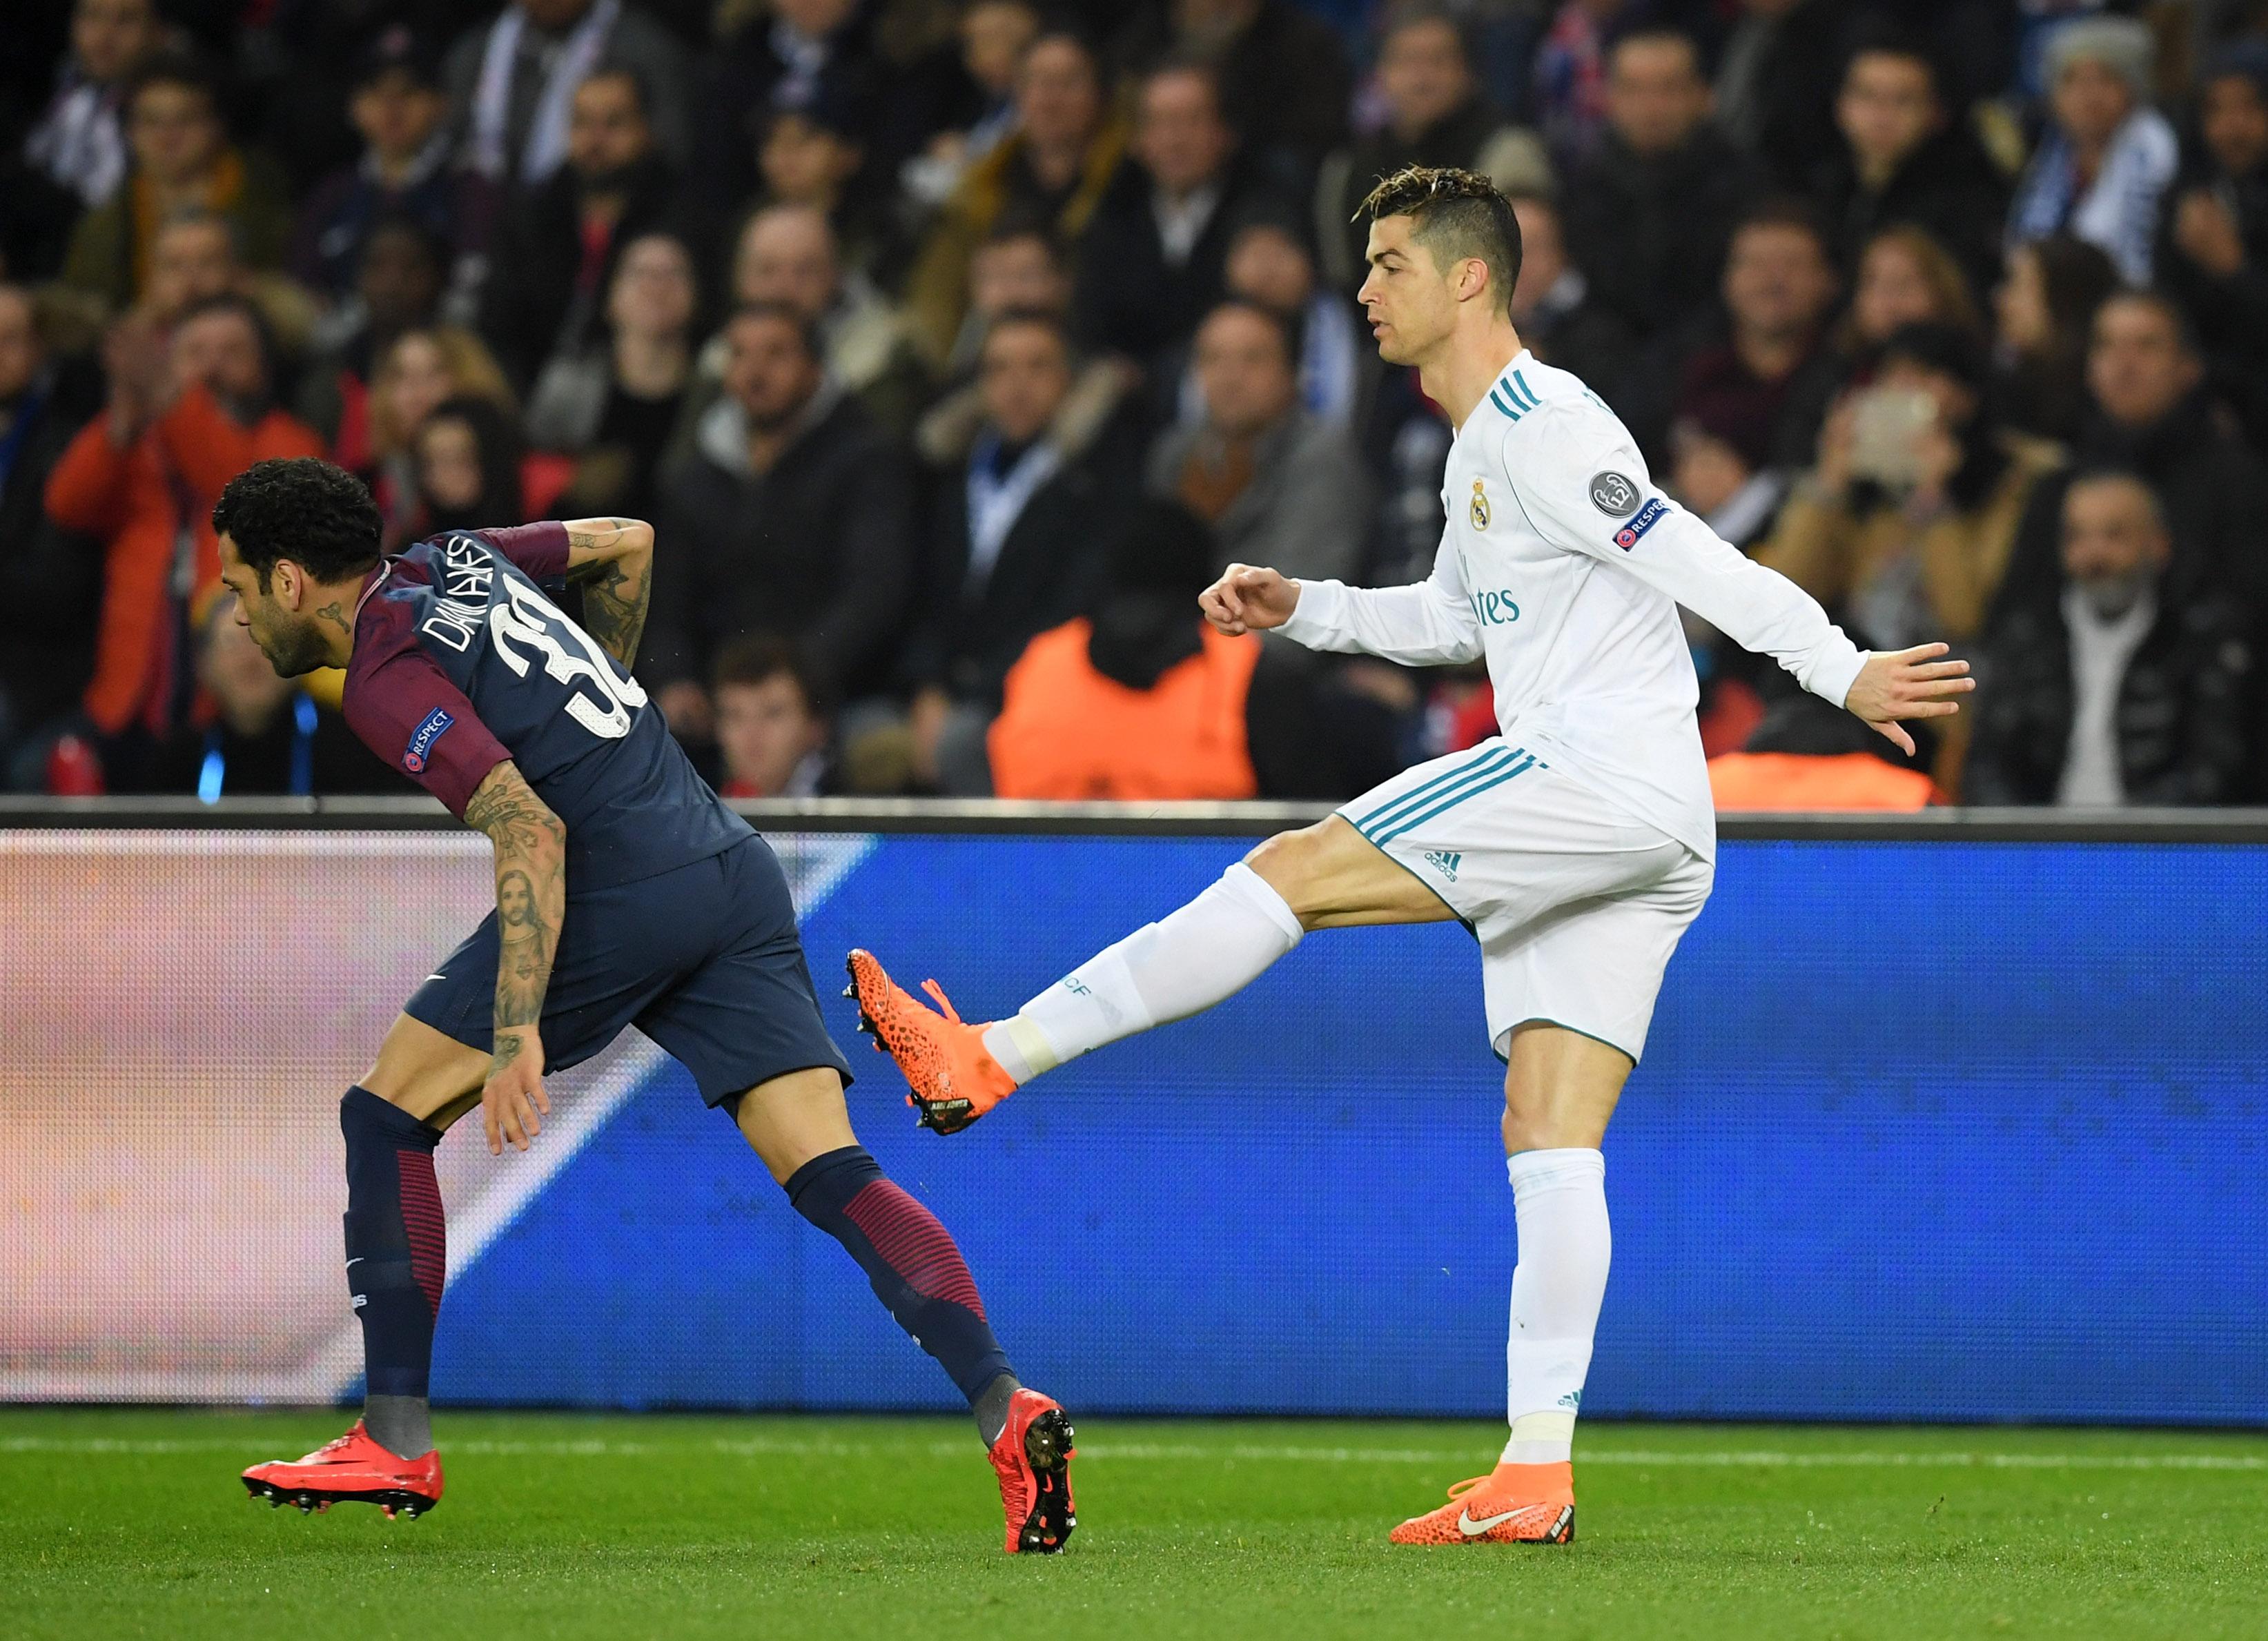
{"points": [[627, 894], [1576, 846]]}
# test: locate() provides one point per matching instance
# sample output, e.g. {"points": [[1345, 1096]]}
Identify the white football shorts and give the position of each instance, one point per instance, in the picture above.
{"points": [[1577, 905]]}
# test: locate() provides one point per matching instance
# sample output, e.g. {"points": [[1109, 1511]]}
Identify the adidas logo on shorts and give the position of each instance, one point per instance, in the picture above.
{"points": [[1445, 862]]}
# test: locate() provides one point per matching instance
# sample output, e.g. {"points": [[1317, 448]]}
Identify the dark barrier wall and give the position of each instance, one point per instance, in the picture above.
{"points": [[1927, 1130]]}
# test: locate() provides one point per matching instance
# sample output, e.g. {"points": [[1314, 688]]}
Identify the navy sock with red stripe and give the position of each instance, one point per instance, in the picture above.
{"points": [[397, 1254], [913, 1262]]}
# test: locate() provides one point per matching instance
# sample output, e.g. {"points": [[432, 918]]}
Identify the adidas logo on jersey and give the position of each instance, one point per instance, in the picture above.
{"points": [[1445, 861]]}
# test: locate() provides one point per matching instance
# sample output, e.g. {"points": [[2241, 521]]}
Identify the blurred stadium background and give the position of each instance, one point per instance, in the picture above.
{"points": [[1952, 310]]}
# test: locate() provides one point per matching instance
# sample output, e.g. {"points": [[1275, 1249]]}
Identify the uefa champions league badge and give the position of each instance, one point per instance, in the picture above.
{"points": [[1480, 511], [1614, 495]]}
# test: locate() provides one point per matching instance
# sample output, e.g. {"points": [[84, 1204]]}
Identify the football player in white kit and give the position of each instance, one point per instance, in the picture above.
{"points": [[1577, 845]]}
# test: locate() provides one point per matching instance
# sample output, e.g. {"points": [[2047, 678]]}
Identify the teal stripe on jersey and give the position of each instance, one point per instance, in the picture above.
{"points": [[1497, 400], [1451, 802], [1424, 789], [1471, 778], [1521, 383]]}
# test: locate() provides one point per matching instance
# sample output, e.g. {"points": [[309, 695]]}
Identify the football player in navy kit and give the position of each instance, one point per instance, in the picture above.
{"points": [[627, 894]]}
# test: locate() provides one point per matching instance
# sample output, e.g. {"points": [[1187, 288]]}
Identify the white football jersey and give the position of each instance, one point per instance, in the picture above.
{"points": [[1564, 566]]}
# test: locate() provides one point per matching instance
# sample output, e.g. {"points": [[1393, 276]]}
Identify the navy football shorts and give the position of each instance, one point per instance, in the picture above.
{"points": [[704, 959]]}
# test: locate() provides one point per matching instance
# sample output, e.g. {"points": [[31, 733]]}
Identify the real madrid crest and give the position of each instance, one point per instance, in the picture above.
{"points": [[1480, 513]]}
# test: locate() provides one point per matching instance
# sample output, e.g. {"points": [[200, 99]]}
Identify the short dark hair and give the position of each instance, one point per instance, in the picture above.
{"points": [[807, 331], [2118, 472], [184, 69], [1456, 214], [1287, 326], [758, 660], [621, 69], [2185, 331], [1052, 323], [1646, 34], [263, 333], [1785, 210], [304, 509]]}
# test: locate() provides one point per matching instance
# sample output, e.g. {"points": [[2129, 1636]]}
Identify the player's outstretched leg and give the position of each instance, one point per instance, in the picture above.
{"points": [[396, 1254], [799, 1126], [1324, 876], [1559, 1090]]}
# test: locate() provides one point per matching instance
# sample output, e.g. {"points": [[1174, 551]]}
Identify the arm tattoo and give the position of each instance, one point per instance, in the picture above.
{"points": [[615, 590], [614, 606], [594, 541], [530, 844]]}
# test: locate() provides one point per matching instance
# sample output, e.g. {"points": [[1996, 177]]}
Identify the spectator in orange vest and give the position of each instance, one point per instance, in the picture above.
{"points": [[1140, 699], [1803, 759], [186, 415]]}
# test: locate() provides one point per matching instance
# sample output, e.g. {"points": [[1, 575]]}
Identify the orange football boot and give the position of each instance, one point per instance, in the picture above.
{"points": [[353, 1469], [1521, 1503], [1032, 1458], [954, 1079]]}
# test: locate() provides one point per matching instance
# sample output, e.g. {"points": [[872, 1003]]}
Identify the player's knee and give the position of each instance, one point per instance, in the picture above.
{"points": [[1292, 864]]}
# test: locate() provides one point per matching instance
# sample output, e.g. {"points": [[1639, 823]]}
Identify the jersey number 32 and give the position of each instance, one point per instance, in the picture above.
{"points": [[526, 620]]}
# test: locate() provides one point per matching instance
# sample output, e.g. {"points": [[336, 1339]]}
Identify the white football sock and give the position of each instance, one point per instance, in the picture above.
{"points": [[1559, 1201], [1214, 947]]}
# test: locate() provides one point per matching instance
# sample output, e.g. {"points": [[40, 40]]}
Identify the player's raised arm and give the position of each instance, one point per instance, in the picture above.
{"points": [[1616, 514], [612, 560], [531, 878]]}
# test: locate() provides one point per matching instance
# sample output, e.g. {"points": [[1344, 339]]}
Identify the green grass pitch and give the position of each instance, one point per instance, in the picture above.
{"points": [[132, 1523]]}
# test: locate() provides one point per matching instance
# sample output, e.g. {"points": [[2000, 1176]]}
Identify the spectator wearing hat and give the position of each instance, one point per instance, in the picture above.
{"points": [[1435, 114], [181, 162], [187, 413], [511, 84], [1053, 171], [2213, 249], [544, 296], [401, 112], [1648, 216], [2107, 155], [1151, 266], [1906, 157], [1907, 522], [1276, 485], [815, 156], [790, 56], [2122, 683], [79, 142], [2045, 310]]}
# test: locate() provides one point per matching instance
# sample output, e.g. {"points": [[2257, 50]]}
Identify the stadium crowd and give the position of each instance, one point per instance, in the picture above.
{"points": [[954, 345]]}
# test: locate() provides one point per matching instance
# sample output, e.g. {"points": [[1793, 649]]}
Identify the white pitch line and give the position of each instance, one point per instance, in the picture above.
{"points": [[764, 1447]]}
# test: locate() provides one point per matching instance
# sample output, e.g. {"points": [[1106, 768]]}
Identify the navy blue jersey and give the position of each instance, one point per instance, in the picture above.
{"points": [[461, 660]]}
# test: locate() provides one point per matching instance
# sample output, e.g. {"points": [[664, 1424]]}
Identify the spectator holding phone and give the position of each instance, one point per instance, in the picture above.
{"points": [[1907, 522]]}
